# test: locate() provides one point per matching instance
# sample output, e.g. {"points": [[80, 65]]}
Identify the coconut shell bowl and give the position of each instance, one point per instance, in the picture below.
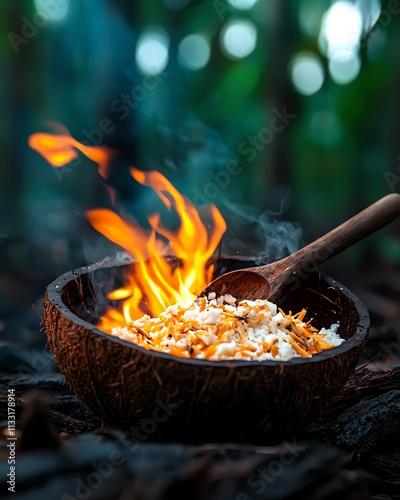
{"points": [[190, 400]]}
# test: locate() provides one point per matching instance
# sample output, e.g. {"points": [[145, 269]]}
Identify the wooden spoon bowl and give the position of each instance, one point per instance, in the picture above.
{"points": [[159, 396], [267, 282]]}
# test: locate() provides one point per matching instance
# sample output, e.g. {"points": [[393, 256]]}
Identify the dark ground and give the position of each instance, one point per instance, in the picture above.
{"points": [[352, 451]]}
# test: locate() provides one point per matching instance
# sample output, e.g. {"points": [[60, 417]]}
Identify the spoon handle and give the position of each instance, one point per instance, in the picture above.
{"points": [[355, 229]]}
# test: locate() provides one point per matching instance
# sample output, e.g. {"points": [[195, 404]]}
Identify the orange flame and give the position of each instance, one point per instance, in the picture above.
{"points": [[59, 150], [154, 283]]}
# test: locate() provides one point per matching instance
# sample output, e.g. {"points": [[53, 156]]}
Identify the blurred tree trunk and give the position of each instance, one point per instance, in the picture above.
{"points": [[13, 117], [283, 30]]}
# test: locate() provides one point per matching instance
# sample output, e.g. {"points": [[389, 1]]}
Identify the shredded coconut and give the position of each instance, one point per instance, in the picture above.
{"points": [[217, 329]]}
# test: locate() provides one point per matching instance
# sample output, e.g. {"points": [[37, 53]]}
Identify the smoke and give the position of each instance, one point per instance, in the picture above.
{"points": [[261, 235], [186, 152], [191, 149]]}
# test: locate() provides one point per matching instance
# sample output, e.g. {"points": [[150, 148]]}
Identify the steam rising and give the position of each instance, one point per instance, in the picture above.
{"points": [[194, 148], [262, 235]]}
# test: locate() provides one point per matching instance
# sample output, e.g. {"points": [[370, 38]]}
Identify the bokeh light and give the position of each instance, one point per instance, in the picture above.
{"points": [[152, 51], [307, 73], [52, 11], [238, 38], [341, 28], [371, 11], [344, 66], [194, 52], [242, 4]]}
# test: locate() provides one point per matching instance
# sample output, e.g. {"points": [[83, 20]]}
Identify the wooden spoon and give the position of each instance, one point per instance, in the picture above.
{"points": [[266, 282]]}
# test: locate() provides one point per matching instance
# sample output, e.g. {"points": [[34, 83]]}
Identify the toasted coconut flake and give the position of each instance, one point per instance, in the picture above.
{"points": [[216, 328]]}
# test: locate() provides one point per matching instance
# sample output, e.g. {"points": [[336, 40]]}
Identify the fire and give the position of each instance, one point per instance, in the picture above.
{"points": [[154, 285], [59, 150]]}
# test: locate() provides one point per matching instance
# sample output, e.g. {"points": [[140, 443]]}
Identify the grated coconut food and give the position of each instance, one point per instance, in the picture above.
{"points": [[218, 328]]}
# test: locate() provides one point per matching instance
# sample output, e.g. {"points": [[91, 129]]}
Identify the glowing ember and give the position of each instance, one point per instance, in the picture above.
{"points": [[154, 283]]}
